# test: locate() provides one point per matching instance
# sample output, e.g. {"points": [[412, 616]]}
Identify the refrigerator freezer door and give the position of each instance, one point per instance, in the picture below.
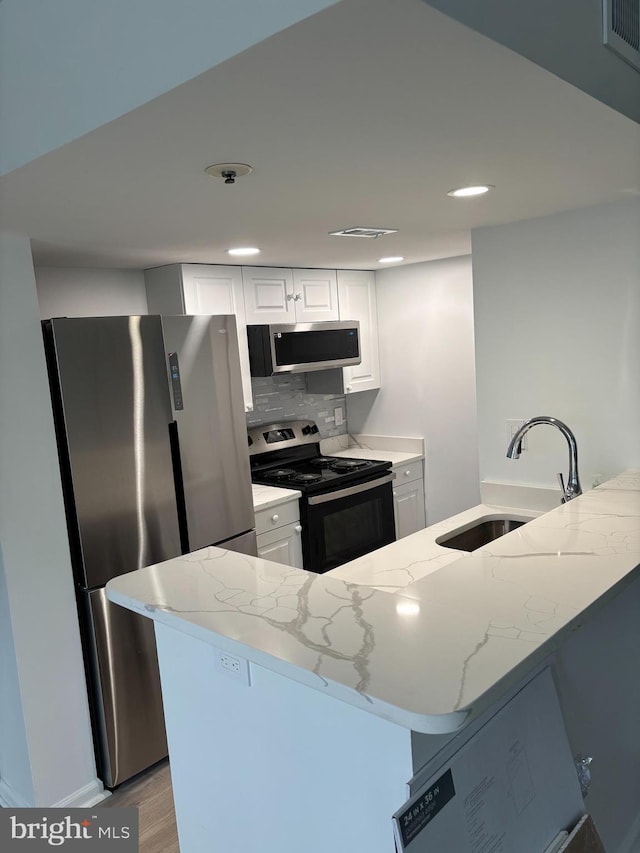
{"points": [[244, 544], [206, 385], [127, 701], [114, 401]]}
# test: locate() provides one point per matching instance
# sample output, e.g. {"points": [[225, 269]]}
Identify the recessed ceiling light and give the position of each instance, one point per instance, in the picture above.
{"points": [[246, 250], [407, 608], [393, 259], [465, 192]]}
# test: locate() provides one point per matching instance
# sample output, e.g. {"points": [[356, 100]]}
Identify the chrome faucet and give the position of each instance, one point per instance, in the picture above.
{"points": [[572, 489]]}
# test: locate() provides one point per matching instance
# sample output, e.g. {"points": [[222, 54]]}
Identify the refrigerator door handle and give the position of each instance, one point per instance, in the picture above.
{"points": [[174, 442]]}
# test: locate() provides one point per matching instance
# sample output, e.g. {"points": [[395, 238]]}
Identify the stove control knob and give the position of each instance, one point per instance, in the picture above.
{"points": [[274, 518], [314, 429], [306, 430]]}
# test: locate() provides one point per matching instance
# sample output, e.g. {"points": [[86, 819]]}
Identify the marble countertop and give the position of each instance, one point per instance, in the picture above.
{"points": [[394, 449], [399, 565], [396, 457], [265, 497], [418, 634]]}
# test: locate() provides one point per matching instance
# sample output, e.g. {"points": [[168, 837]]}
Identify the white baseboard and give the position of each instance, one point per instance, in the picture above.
{"points": [[89, 795]]}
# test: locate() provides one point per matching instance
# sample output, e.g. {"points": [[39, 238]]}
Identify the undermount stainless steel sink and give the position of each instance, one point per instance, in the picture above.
{"points": [[484, 530]]}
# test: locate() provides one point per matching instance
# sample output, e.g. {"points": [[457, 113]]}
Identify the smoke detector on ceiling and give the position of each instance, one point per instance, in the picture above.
{"points": [[621, 25], [371, 233], [228, 171]]}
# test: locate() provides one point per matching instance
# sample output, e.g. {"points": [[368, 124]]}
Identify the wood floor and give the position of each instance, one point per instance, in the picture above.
{"points": [[151, 794]]}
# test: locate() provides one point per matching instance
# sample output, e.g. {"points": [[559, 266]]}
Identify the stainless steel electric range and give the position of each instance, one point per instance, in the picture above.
{"points": [[346, 508]]}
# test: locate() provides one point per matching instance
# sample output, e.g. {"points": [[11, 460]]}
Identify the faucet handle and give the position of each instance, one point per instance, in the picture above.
{"points": [[564, 491]]}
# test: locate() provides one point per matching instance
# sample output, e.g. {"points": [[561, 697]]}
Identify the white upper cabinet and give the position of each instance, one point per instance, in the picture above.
{"points": [[357, 300], [289, 296], [260, 295], [202, 289], [268, 295], [315, 295]]}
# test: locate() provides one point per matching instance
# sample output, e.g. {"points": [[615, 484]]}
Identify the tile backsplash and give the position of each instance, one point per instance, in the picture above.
{"points": [[285, 398]]}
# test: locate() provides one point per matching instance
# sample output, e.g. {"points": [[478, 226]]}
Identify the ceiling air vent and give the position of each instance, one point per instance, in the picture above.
{"points": [[372, 233], [621, 20]]}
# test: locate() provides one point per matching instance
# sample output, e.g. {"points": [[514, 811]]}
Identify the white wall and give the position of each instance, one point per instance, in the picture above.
{"points": [[72, 292], [69, 66], [557, 320], [15, 770], [565, 38], [425, 316], [47, 759]]}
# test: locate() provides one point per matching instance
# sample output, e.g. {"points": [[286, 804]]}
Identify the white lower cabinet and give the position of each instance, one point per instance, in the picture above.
{"points": [[408, 499], [279, 534], [282, 545]]}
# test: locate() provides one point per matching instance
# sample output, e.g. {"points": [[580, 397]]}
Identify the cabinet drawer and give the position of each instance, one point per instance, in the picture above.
{"points": [[277, 516], [408, 472]]}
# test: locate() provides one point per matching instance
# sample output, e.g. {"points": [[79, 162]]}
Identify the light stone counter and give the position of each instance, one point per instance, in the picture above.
{"points": [[396, 457], [394, 449], [398, 566], [427, 649], [265, 497]]}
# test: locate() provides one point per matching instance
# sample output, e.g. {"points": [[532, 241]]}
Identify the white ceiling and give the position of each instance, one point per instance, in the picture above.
{"points": [[365, 114]]}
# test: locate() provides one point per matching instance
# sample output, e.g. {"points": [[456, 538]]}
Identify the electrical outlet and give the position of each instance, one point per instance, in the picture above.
{"points": [[513, 425], [339, 415], [230, 663], [234, 666]]}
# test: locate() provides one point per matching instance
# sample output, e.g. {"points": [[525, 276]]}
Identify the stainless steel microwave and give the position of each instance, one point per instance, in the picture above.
{"points": [[301, 347]]}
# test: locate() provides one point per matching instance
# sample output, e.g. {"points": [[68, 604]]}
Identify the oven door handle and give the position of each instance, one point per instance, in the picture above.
{"points": [[353, 490]]}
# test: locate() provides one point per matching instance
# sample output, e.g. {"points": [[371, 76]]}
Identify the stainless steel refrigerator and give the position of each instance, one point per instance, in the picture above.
{"points": [[153, 452]]}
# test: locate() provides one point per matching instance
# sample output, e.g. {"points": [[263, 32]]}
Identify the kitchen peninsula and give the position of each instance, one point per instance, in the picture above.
{"points": [[299, 706]]}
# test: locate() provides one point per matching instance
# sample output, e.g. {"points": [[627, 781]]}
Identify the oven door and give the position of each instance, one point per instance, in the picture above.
{"points": [[341, 525]]}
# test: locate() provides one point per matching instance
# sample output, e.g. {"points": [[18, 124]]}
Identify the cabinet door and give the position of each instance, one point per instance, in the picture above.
{"points": [[408, 505], [163, 287], [209, 289], [357, 298], [315, 295], [268, 295], [283, 545]]}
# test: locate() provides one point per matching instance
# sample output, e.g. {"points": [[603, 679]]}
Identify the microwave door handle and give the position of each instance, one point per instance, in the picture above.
{"points": [[353, 490]]}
